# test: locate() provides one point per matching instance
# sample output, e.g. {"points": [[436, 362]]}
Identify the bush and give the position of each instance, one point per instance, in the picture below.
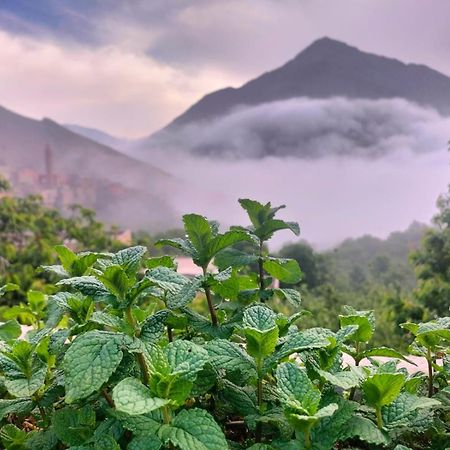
{"points": [[119, 359]]}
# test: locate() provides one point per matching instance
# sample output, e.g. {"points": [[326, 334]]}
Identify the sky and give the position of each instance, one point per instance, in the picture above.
{"points": [[129, 67]]}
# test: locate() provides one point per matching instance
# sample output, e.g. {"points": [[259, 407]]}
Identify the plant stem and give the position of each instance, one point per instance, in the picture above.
{"points": [[430, 373], [212, 310], [169, 333], [261, 270], [108, 398], [166, 414], [307, 434], [379, 418], [259, 398], [139, 356]]}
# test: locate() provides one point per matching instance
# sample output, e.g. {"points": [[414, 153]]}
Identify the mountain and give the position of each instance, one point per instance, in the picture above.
{"points": [[101, 137], [329, 68], [332, 98], [41, 156]]}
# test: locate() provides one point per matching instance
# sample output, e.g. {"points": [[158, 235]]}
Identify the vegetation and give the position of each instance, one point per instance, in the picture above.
{"points": [[121, 357]]}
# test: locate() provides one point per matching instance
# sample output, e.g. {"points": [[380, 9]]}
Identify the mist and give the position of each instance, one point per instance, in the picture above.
{"points": [[363, 167]]}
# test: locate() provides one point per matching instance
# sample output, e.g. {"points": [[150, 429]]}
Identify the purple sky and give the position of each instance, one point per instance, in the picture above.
{"points": [[129, 67]]}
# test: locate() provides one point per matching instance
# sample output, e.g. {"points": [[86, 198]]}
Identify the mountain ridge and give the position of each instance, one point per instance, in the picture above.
{"points": [[312, 64]]}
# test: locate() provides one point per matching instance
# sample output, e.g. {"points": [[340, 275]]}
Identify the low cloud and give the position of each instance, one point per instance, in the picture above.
{"points": [[332, 197], [308, 128]]}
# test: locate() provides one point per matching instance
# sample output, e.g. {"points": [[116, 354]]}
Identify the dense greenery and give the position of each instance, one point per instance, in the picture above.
{"points": [[121, 359]]}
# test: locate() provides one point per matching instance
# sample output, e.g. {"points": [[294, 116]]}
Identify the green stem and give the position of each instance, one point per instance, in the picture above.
{"points": [[212, 310], [139, 356], [379, 418], [307, 434], [261, 270], [166, 414], [169, 333], [430, 373], [259, 398]]}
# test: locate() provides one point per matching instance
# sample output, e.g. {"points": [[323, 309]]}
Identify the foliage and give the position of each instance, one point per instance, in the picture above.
{"points": [[120, 359], [28, 233]]}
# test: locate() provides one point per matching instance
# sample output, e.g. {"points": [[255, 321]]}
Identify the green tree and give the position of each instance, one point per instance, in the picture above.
{"points": [[432, 262]]}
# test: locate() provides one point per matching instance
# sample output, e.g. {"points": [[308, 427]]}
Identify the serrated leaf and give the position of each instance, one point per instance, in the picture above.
{"points": [[132, 397], [364, 320], [223, 241], [242, 400], [87, 285], [186, 358], [296, 389], [285, 270], [160, 261], [194, 429], [185, 295], [154, 327], [382, 388], [228, 356], [385, 351], [292, 296], [19, 407], [345, 380], [401, 411], [146, 442], [74, 426], [260, 331], [89, 362], [167, 279], [129, 258], [10, 330], [231, 257], [199, 231], [8, 287], [115, 279], [365, 430]]}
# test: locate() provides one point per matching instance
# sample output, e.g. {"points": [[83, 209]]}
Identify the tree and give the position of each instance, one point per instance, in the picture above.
{"points": [[432, 262]]}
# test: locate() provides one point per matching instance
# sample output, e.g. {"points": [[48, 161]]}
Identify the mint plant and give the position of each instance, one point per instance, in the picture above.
{"points": [[130, 354]]}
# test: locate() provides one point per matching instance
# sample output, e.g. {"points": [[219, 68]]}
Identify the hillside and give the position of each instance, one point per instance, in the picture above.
{"points": [[103, 178]]}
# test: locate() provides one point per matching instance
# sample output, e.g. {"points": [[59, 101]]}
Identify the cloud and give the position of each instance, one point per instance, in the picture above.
{"points": [[309, 128], [331, 196], [126, 92]]}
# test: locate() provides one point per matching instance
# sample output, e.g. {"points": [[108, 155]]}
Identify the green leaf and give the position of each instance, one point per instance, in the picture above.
{"points": [[285, 270], [231, 257], [345, 380], [228, 356], [74, 426], [223, 241], [382, 388], [89, 362], [129, 259], [12, 437], [292, 296], [145, 442], [266, 231], [8, 288], [132, 397], [160, 261], [18, 407], [186, 358], [180, 244], [185, 295], [241, 399], [166, 279], [87, 285], [260, 331], [66, 256], [10, 330], [199, 232], [364, 320], [401, 412], [296, 390], [194, 429], [385, 351], [154, 327], [363, 429], [304, 340], [115, 279]]}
